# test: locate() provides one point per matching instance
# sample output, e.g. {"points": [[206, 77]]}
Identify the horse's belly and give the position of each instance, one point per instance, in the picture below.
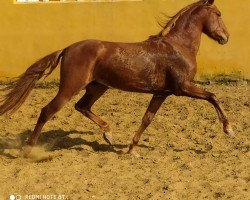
{"points": [[130, 79]]}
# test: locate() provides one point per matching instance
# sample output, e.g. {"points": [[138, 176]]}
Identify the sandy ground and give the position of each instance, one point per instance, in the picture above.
{"points": [[184, 152]]}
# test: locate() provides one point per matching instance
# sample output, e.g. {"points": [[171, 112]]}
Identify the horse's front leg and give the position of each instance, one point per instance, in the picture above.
{"points": [[190, 90], [154, 105]]}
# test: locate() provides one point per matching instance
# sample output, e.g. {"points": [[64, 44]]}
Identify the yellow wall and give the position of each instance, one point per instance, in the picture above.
{"points": [[30, 31]]}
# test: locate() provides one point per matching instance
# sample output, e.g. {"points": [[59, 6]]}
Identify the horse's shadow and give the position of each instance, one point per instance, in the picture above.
{"points": [[59, 140]]}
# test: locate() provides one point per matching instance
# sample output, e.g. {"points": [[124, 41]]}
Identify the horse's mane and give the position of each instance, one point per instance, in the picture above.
{"points": [[172, 20]]}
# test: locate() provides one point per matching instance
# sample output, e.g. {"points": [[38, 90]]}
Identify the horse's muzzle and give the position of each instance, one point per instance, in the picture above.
{"points": [[223, 39]]}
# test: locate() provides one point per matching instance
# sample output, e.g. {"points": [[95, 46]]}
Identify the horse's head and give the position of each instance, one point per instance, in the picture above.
{"points": [[213, 25]]}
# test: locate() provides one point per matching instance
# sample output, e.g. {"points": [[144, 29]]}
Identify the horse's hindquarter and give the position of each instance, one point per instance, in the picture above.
{"points": [[131, 67]]}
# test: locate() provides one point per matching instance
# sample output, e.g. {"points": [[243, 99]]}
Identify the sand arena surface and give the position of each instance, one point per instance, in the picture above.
{"points": [[184, 152]]}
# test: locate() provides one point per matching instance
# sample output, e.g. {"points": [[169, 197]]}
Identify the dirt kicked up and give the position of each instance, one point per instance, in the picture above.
{"points": [[184, 152]]}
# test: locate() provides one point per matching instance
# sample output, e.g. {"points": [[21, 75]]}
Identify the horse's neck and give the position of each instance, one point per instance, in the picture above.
{"points": [[186, 36]]}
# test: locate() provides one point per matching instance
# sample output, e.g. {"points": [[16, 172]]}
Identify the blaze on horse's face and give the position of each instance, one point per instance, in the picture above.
{"points": [[214, 27]]}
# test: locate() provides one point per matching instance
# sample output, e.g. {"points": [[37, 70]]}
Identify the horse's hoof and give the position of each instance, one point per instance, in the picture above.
{"points": [[25, 152], [229, 131], [134, 153], [108, 138]]}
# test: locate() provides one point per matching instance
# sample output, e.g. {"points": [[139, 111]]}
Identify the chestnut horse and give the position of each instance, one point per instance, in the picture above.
{"points": [[163, 65]]}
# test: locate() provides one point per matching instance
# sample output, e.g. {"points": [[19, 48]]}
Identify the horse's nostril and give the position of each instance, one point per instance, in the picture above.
{"points": [[223, 39]]}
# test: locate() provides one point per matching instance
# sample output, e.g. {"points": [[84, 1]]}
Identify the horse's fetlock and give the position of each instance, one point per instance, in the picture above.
{"points": [[225, 123], [105, 127], [213, 97], [135, 141]]}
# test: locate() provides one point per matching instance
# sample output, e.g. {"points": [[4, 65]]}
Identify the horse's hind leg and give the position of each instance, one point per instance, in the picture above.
{"points": [[93, 92], [64, 95], [46, 113]]}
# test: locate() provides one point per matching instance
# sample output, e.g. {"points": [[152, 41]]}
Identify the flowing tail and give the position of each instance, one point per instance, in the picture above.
{"points": [[18, 90]]}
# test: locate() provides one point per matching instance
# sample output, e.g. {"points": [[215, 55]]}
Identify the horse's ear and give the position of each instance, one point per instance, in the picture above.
{"points": [[210, 2]]}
